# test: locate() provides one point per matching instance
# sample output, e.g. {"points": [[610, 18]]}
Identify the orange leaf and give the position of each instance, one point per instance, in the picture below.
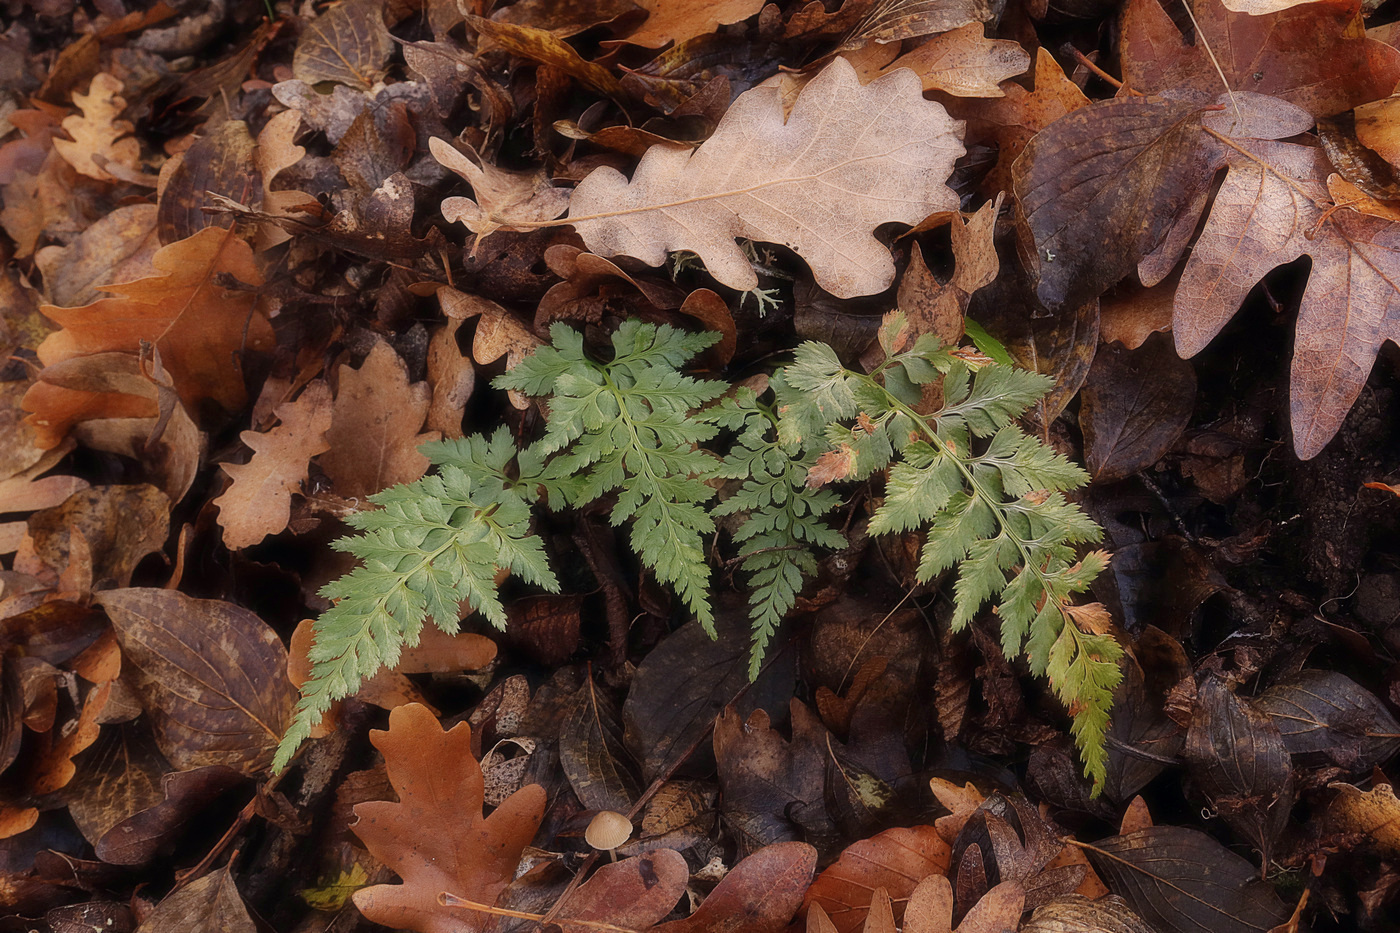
{"points": [[196, 322], [896, 860], [435, 837]]}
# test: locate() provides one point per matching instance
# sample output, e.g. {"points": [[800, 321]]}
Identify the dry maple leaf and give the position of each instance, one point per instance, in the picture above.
{"points": [[1268, 213], [848, 159], [502, 196], [197, 322], [435, 838], [373, 437], [259, 502], [98, 135], [1341, 69]]}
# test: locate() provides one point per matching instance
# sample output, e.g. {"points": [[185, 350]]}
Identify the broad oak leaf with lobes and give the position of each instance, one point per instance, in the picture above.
{"points": [[847, 159]]}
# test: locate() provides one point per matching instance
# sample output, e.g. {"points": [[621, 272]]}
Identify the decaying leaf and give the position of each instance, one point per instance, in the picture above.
{"points": [[1375, 814], [759, 895], [210, 675], [439, 785], [258, 503], [1133, 407], [1327, 713], [1182, 880], [211, 904], [847, 159], [348, 44]]}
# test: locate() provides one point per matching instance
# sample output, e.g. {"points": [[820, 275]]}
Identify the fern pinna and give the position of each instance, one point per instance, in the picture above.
{"points": [[991, 513], [635, 424]]}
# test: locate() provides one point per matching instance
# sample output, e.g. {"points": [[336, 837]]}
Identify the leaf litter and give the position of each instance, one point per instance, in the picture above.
{"points": [[269, 271]]}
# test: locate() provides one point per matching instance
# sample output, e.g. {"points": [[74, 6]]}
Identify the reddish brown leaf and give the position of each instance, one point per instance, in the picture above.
{"points": [[196, 321], [896, 860], [1343, 68], [373, 438], [440, 785], [633, 894], [759, 895]]}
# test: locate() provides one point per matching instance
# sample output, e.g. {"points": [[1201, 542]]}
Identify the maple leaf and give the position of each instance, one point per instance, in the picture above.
{"points": [[848, 159], [258, 503], [197, 322], [99, 138], [1268, 213], [435, 838], [1343, 67]]}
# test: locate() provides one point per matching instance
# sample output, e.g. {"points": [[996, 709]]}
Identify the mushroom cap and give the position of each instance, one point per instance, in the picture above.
{"points": [[608, 830]]}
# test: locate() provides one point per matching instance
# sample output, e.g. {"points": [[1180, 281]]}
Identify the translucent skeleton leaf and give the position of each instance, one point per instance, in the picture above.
{"points": [[626, 424], [431, 548], [989, 497], [782, 517]]}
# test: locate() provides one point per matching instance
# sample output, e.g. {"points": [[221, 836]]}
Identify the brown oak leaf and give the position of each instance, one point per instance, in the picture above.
{"points": [[259, 502], [434, 837], [373, 435]]}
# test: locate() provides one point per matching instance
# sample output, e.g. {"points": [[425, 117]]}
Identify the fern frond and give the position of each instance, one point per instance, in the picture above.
{"points": [[626, 424], [783, 521], [999, 515], [433, 546]]}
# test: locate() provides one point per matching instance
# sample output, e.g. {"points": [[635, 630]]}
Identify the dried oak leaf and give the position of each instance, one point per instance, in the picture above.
{"points": [[847, 159], [1343, 67], [99, 137], [373, 438], [197, 320], [434, 837], [502, 196], [259, 502]]}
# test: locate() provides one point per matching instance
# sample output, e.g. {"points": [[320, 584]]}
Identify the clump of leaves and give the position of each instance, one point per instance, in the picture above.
{"points": [[992, 509], [635, 424]]}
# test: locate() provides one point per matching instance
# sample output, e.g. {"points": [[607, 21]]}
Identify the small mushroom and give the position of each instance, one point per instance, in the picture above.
{"points": [[607, 831]]}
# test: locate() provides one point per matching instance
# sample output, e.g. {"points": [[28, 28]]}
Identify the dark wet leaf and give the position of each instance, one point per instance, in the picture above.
{"points": [[772, 788], [1133, 407], [686, 681], [1327, 713], [348, 45], [593, 754], [1182, 881], [212, 676], [210, 905], [221, 162], [117, 777], [147, 833], [1101, 188], [1138, 724], [1239, 762]]}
